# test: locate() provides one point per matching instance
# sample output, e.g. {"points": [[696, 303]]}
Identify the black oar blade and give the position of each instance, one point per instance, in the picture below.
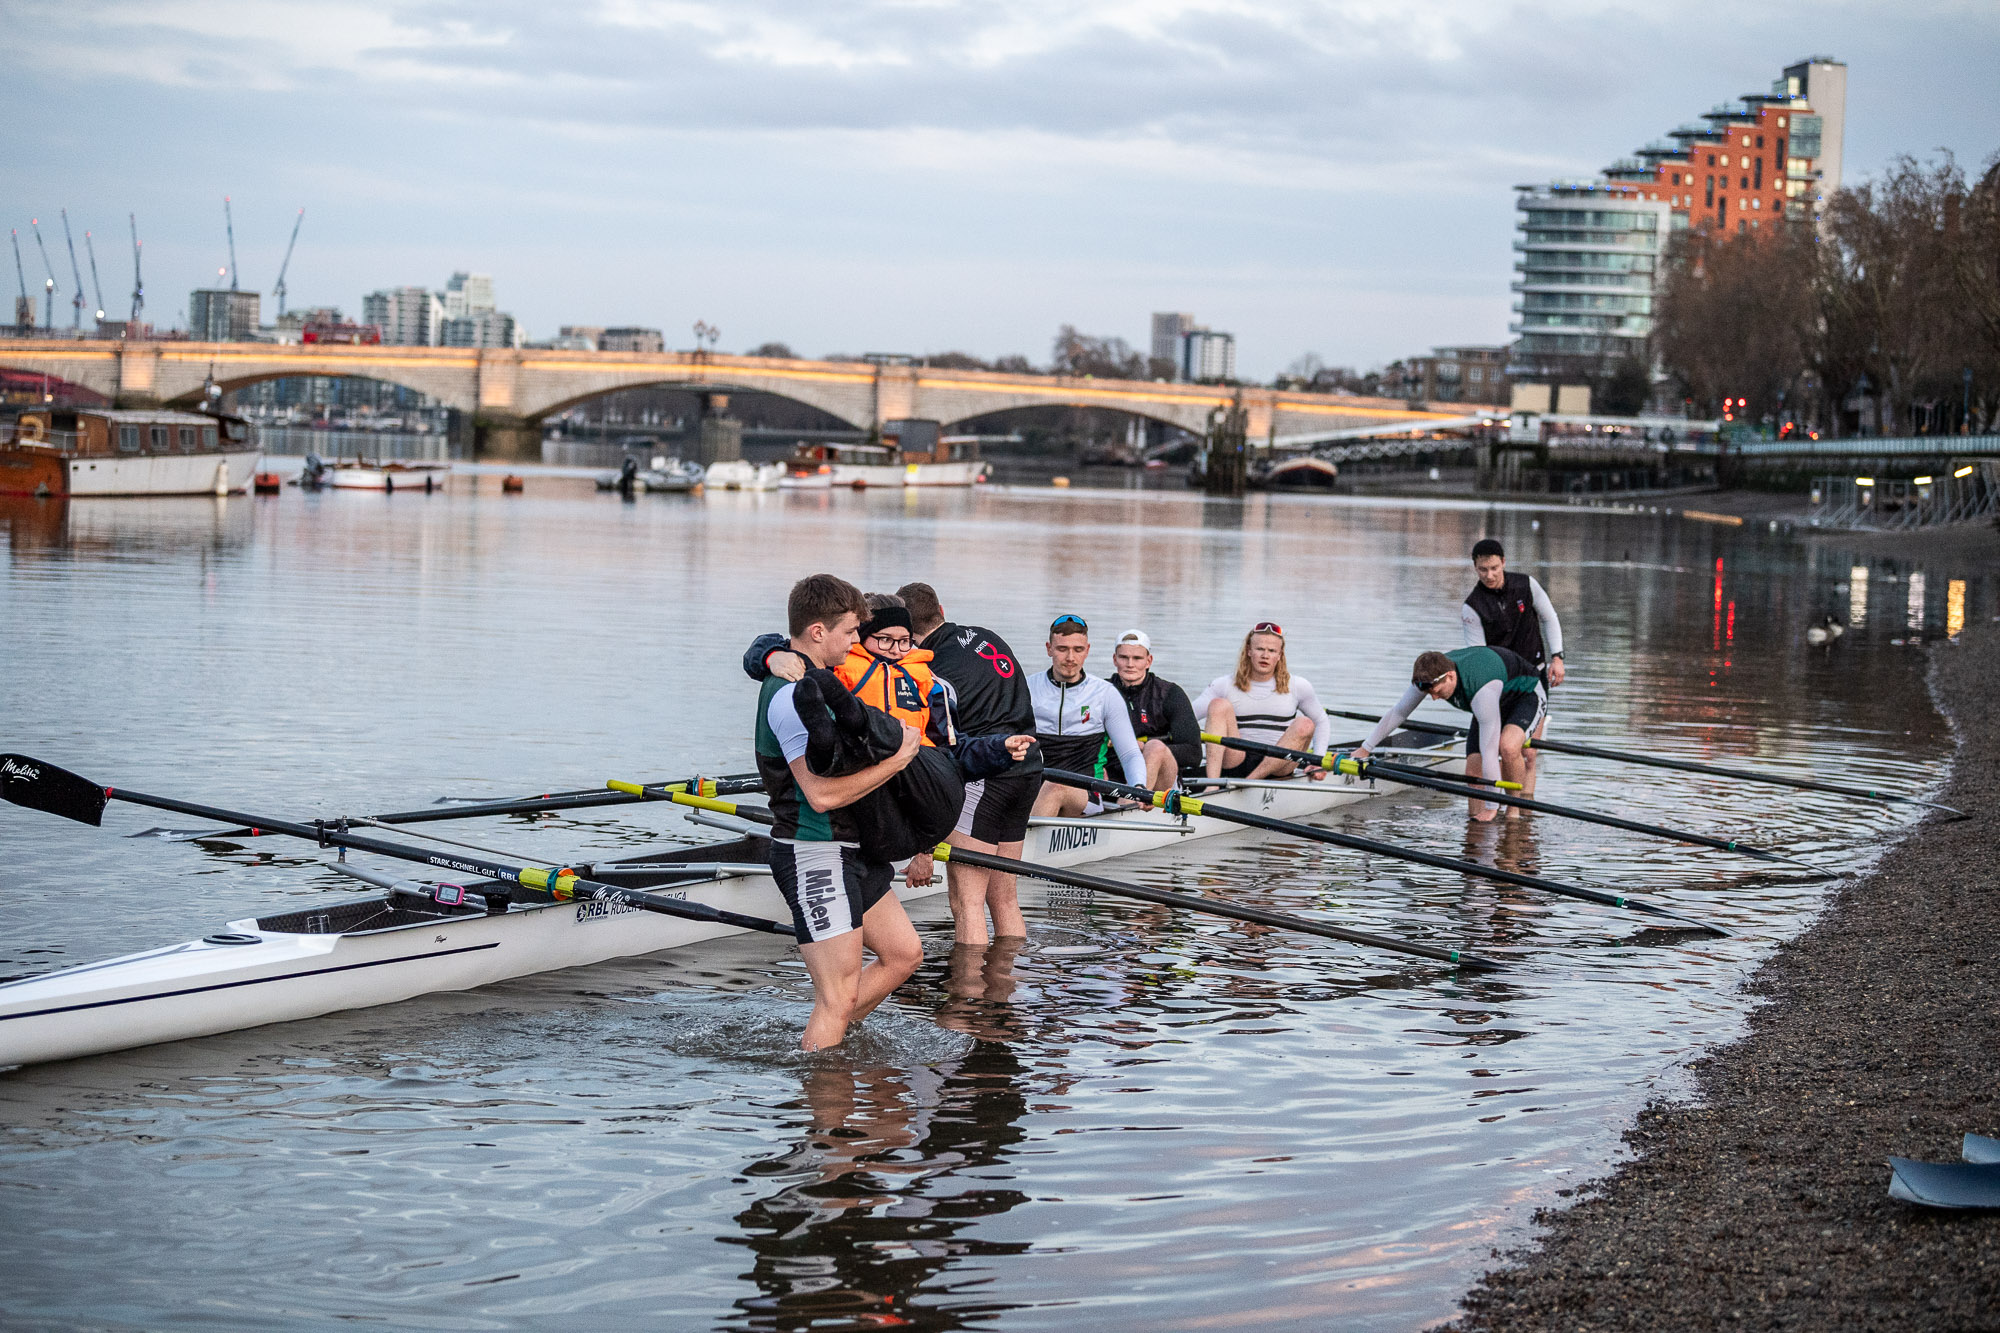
{"points": [[55, 791]]}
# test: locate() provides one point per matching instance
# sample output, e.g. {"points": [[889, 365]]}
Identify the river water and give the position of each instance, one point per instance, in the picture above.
{"points": [[1138, 1120]]}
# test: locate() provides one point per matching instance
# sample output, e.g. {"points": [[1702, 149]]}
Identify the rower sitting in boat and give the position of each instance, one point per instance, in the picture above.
{"points": [[1262, 701], [1079, 720], [1162, 718], [1502, 691], [841, 902]]}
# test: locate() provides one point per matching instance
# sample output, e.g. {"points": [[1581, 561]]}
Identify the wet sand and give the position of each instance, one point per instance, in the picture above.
{"points": [[1762, 1201]]}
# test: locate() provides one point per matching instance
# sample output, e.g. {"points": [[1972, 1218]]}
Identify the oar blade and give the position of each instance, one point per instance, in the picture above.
{"points": [[56, 791]]}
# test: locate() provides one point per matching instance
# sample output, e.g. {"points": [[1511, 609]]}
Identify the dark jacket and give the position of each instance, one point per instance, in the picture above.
{"points": [[1161, 712], [978, 756], [1507, 614]]}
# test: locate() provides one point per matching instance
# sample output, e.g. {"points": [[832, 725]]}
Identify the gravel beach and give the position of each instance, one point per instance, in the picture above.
{"points": [[1762, 1201]]}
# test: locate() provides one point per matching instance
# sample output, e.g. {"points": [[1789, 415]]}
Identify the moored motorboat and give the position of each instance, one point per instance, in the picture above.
{"points": [[357, 953], [105, 452], [738, 474], [362, 475]]}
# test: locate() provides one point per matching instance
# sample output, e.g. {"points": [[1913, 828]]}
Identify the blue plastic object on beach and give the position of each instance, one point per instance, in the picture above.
{"points": [[1972, 1183]]}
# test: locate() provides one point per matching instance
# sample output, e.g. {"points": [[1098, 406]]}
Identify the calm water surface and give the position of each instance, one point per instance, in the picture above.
{"points": [[1138, 1119]]}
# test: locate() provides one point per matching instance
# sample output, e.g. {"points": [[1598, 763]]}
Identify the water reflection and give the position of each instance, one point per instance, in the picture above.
{"points": [[877, 1199]]}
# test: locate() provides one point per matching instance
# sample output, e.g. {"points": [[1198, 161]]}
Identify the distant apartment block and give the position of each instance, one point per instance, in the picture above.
{"points": [[1589, 251], [577, 338], [631, 340], [1169, 327], [1208, 355], [468, 294], [407, 316], [1475, 375], [222, 316], [482, 328]]}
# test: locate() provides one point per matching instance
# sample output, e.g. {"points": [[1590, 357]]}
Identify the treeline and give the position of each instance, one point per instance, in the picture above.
{"points": [[1073, 353], [1886, 320]]}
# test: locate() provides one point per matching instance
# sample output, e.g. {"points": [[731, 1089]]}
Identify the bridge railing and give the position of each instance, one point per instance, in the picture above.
{"points": [[1872, 446], [1969, 490]]}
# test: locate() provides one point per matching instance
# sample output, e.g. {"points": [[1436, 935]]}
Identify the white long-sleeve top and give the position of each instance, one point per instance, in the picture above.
{"points": [[1262, 713], [1086, 709], [1545, 611], [1485, 711]]}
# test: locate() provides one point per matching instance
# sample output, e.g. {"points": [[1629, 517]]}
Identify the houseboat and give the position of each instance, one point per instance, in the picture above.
{"points": [[104, 451]]}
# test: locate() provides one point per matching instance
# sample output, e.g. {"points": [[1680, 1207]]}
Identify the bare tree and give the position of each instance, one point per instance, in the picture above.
{"points": [[1106, 358]]}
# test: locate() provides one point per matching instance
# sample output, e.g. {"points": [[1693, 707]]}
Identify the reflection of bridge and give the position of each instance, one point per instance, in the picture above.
{"points": [[508, 391]]}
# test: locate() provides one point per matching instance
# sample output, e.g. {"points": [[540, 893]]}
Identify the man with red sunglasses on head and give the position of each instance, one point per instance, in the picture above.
{"points": [[1262, 701]]}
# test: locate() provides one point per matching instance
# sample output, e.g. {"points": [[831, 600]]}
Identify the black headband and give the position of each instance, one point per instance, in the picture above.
{"points": [[886, 618]]}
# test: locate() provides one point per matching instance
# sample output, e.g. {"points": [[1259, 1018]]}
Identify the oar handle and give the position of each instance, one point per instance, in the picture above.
{"points": [[1334, 761]]}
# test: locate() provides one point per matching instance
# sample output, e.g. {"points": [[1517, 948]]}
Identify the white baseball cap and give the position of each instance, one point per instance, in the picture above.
{"points": [[1137, 636]]}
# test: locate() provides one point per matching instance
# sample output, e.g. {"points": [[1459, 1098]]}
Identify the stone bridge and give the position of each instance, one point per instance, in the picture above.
{"points": [[509, 391]]}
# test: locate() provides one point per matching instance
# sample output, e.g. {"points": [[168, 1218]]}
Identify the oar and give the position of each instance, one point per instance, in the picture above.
{"points": [[1321, 760], [1684, 766], [1335, 762], [43, 786], [1175, 803], [944, 851], [521, 805]]}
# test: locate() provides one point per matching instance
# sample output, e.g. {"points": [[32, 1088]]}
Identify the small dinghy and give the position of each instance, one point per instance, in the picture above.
{"points": [[742, 475], [359, 474]]}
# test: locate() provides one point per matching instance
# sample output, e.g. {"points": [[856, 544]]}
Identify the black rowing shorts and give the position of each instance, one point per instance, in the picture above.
{"points": [[996, 809], [1516, 710], [828, 886]]}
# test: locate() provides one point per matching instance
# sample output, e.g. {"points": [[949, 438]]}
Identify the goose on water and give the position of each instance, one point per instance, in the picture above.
{"points": [[1826, 631]]}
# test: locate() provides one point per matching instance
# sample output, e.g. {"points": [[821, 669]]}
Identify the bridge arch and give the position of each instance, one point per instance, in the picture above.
{"points": [[835, 406]]}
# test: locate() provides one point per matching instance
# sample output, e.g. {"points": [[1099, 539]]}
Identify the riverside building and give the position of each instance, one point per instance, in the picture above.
{"points": [[1588, 252]]}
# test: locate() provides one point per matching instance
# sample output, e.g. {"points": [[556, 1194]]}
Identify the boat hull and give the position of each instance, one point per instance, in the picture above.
{"points": [[426, 479], [909, 474], [308, 964], [37, 472]]}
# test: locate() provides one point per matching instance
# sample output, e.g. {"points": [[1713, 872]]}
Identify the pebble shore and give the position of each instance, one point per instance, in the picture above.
{"points": [[1761, 1202]]}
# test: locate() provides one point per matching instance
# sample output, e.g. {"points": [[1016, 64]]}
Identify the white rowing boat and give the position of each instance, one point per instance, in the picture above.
{"points": [[357, 953]]}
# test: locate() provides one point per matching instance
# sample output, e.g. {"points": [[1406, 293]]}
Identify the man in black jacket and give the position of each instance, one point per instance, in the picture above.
{"points": [[992, 698], [1513, 611], [1162, 717]]}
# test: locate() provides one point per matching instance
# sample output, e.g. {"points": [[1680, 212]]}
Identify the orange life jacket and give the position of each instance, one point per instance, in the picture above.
{"points": [[900, 689]]}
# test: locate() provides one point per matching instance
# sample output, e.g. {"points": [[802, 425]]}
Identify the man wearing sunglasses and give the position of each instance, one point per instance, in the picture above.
{"points": [[1079, 720], [1500, 688]]}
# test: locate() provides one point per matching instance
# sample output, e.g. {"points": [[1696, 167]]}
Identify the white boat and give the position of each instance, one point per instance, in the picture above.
{"points": [[863, 465], [105, 452], [357, 953], [667, 476], [361, 475], [807, 477], [742, 475]]}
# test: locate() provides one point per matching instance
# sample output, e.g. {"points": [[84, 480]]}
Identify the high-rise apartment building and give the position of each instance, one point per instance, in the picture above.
{"points": [[1589, 252], [217, 316], [482, 328], [1169, 327], [1208, 355], [407, 316], [468, 294]]}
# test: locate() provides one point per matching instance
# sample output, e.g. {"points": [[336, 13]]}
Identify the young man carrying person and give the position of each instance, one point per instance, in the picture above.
{"points": [[1513, 611], [993, 700], [840, 901], [1162, 717]]}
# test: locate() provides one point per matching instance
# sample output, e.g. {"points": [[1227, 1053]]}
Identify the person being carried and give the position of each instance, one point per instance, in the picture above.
{"points": [[1262, 701], [1498, 687], [991, 692], [1079, 720], [888, 672], [841, 902], [1162, 717], [1513, 611]]}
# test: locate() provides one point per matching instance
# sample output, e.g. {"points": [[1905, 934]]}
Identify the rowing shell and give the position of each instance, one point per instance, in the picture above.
{"points": [[358, 953]]}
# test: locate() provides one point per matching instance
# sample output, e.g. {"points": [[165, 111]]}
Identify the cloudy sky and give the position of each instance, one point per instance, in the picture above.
{"points": [[910, 175]]}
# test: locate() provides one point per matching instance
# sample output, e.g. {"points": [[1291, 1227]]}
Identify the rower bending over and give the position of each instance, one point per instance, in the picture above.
{"points": [[1498, 687], [1078, 720], [840, 901], [1265, 702]]}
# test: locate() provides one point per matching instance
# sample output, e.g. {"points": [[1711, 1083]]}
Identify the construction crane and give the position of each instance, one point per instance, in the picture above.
{"points": [[279, 290], [96, 287], [49, 294], [24, 310], [138, 287], [76, 301], [229, 224]]}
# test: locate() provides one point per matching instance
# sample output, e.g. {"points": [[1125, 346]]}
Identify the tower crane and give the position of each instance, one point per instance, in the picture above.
{"points": [[76, 301], [96, 287], [279, 290], [138, 287], [24, 311], [229, 224], [49, 288]]}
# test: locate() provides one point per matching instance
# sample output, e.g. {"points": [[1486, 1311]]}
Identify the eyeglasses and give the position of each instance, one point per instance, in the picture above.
{"points": [[1428, 685], [1060, 623], [1268, 627], [898, 644]]}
